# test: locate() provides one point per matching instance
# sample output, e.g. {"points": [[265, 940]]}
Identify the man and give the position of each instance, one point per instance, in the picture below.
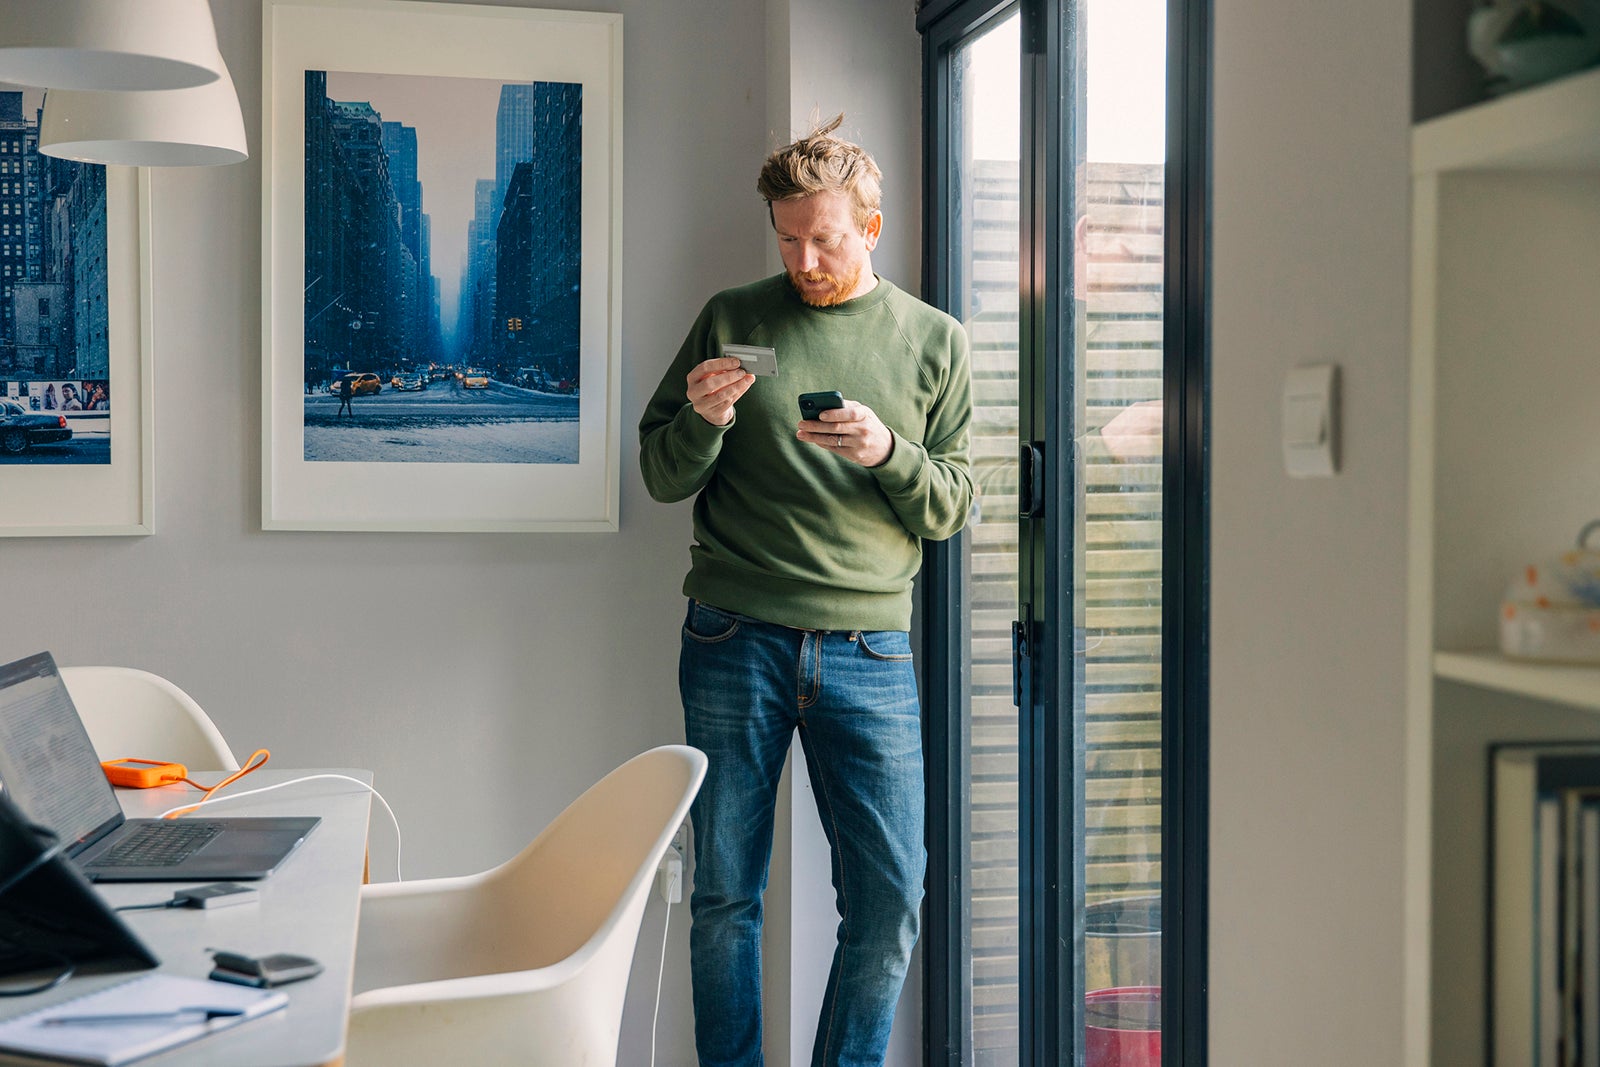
{"points": [[347, 389], [807, 537]]}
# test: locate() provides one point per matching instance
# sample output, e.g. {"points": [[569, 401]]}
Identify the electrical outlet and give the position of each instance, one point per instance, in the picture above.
{"points": [[669, 877], [669, 872]]}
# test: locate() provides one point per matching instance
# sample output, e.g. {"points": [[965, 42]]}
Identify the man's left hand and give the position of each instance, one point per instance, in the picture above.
{"points": [[853, 432]]}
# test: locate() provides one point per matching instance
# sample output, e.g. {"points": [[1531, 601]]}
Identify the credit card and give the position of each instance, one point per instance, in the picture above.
{"points": [[760, 361]]}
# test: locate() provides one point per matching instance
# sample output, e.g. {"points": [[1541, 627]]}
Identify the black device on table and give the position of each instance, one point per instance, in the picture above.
{"points": [[280, 968], [51, 919]]}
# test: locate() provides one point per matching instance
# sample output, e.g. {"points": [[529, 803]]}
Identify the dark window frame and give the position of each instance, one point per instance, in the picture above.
{"points": [[1049, 914]]}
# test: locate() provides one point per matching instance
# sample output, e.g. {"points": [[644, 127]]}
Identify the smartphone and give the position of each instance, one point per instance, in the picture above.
{"points": [[811, 403]]}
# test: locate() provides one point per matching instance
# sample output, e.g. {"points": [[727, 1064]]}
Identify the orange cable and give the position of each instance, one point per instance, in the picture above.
{"points": [[250, 764]]}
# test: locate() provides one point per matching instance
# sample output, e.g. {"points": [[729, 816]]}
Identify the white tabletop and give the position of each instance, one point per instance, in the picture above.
{"points": [[309, 907]]}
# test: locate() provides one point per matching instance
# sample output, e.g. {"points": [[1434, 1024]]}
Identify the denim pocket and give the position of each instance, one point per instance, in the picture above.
{"points": [[707, 625], [885, 644]]}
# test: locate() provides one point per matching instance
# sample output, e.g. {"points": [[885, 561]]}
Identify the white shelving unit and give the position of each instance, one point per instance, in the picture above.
{"points": [[1577, 687], [1551, 127], [1504, 471]]}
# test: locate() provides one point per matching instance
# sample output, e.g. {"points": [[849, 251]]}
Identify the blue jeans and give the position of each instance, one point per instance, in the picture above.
{"points": [[747, 686]]}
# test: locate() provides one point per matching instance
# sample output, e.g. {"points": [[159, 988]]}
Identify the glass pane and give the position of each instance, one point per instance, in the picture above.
{"points": [[985, 80], [1119, 252]]}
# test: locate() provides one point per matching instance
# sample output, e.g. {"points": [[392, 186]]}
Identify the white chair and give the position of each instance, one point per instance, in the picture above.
{"points": [[525, 964], [135, 714]]}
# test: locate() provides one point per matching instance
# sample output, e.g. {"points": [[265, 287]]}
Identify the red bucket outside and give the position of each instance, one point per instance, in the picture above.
{"points": [[1122, 1027]]}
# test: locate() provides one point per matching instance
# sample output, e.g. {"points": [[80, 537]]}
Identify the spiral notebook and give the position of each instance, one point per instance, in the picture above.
{"points": [[134, 1019]]}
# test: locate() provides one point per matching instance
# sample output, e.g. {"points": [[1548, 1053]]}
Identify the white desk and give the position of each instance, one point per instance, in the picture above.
{"points": [[309, 907]]}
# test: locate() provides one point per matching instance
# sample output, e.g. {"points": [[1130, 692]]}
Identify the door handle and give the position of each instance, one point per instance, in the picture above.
{"points": [[1030, 491]]}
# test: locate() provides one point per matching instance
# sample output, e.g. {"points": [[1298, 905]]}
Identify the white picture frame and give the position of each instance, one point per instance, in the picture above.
{"points": [[115, 498], [438, 40]]}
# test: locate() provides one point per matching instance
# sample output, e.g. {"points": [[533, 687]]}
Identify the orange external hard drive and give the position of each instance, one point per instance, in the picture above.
{"points": [[143, 773]]}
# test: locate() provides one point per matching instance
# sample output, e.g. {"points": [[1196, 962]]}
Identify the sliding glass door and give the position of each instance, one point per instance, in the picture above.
{"points": [[985, 178], [1064, 617]]}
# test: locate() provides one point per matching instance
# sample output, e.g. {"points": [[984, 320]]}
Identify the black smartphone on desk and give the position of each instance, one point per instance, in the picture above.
{"points": [[812, 403]]}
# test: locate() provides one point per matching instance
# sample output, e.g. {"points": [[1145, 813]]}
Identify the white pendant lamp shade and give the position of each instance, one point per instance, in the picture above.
{"points": [[108, 44], [196, 127]]}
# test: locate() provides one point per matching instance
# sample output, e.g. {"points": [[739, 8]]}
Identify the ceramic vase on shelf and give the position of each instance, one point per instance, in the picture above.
{"points": [[1552, 609], [1524, 42]]}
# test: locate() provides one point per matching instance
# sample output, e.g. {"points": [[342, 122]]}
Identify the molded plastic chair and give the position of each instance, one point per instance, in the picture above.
{"points": [[135, 714], [525, 964]]}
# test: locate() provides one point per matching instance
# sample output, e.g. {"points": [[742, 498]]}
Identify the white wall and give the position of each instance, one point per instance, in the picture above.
{"points": [[1310, 225]]}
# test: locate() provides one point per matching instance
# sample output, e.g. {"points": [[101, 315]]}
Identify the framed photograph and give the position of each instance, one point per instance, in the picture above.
{"points": [[442, 261], [76, 425]]}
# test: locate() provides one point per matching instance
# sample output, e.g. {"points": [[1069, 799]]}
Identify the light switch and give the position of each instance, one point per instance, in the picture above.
{"points": [[1304, 422], [1311, 421]]}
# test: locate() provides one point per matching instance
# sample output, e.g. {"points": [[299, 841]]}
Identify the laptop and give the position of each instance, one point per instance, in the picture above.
{"points": [[50, 770]]}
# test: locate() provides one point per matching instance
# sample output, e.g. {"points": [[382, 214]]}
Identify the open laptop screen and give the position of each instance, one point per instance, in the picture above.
{"points": [[47, 762]]}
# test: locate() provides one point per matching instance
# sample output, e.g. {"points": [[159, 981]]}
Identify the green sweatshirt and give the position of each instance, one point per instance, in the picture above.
{"points": [[784, 531]]}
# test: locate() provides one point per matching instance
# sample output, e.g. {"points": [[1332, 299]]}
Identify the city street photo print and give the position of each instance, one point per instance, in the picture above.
{"points": [[74, 408], [443, 206]]}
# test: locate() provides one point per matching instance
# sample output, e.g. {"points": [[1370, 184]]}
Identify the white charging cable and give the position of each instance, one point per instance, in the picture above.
{"points": [[297, 781], [661, 974], [669, 880]]}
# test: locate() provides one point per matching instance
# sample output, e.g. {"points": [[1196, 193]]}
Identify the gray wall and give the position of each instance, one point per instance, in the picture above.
{"points": [[1310, 224], [551, 658]]}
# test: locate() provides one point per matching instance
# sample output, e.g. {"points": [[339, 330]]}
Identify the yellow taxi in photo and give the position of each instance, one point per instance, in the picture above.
{"points": [[360, 384], [475, 379]]}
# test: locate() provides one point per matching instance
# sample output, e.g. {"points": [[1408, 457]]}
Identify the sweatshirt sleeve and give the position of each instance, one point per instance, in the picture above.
{"points": [[930, 486], [677, 448]]}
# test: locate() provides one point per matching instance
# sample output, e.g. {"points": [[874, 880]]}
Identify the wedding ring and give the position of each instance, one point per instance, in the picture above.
{"points": [[838, 440]]}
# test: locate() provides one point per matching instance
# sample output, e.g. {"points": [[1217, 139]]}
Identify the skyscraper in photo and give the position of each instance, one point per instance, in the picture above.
{"points": [[538, 232]]}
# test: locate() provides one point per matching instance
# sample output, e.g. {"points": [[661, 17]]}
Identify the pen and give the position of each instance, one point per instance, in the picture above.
{"points": [[144, 1016]]}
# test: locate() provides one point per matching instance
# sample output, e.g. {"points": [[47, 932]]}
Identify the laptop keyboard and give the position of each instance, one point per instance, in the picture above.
{"points": [[158, 844]]}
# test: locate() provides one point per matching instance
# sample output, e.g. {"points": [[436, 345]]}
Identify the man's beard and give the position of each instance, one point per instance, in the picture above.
{"points": [[838, 291]]}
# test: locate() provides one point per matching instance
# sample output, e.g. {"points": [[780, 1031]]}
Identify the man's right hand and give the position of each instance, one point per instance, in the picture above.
{"points": [[714, 387]]}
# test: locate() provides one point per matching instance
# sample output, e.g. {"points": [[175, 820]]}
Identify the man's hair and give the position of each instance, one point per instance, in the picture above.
{"points": [[819, 162]]}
